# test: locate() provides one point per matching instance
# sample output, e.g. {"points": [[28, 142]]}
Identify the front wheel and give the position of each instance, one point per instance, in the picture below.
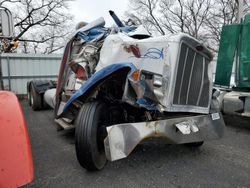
{"points": [[89, 135]]}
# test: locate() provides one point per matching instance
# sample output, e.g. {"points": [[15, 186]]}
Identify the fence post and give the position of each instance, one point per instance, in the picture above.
{"points": [[1, 73], [9, 80]]}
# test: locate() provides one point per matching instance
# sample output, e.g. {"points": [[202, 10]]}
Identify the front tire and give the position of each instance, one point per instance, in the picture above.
{"points": [[89, 135]]}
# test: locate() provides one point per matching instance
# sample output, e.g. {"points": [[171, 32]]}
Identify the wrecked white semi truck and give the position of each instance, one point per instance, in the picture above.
{"points": [[119, 86]]}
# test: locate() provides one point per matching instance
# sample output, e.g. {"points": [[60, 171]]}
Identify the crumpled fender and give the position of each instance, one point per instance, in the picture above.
{"points": [[16, 164], [99, 76], [41, 85]]}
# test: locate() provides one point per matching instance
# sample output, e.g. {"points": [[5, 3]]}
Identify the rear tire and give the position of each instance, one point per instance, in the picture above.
{"points": [[28, 94], [89, 135], [35, 98]]}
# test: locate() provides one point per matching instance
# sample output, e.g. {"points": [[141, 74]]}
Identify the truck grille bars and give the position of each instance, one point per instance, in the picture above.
{"points": [[192, 81]]}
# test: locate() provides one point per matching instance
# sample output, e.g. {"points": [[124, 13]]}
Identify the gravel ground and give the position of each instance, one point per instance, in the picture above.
{"points": [[220, 163]]}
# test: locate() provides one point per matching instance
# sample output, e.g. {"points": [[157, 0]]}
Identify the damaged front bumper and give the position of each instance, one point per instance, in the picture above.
{"points": [[123, 138]]}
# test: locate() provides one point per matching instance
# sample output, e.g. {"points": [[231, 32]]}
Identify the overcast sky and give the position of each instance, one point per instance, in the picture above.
{"points": [[89, 10]]}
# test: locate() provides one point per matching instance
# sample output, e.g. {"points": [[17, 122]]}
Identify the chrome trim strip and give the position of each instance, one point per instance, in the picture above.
{"points": [[182, 76], [190, 77], [201, 88]]}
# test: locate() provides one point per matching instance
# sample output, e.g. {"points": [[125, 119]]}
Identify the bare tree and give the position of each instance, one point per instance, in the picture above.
{"points": [[40, 23], [202, 19], [223, 12], [185, 16], [147, 11], [172, 16], [3, 2]]}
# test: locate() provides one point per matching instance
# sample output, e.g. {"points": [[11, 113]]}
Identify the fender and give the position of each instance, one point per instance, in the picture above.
{"points": [[16, 164], [41, 85], [98, 77]]}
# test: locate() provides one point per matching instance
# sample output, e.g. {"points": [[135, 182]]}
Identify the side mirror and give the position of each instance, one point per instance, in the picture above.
{"points": [[6, 23]]}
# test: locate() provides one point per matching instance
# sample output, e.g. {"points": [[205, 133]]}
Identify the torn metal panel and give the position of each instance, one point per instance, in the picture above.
{"points": [[92, 82], [72, 49], [123, 138]]}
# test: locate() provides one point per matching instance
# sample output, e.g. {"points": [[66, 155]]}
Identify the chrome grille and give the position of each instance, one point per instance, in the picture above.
{"points": [[192, 85]]}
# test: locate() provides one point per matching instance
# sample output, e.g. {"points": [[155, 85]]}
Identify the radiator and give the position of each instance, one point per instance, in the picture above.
{"points": [[192, 84]]}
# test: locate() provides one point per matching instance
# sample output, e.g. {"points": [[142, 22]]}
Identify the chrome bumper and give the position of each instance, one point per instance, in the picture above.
{"points": [[123, 138]]}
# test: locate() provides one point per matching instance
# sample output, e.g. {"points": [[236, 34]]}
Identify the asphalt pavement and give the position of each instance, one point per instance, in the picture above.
{"points": [[219, 163]]}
